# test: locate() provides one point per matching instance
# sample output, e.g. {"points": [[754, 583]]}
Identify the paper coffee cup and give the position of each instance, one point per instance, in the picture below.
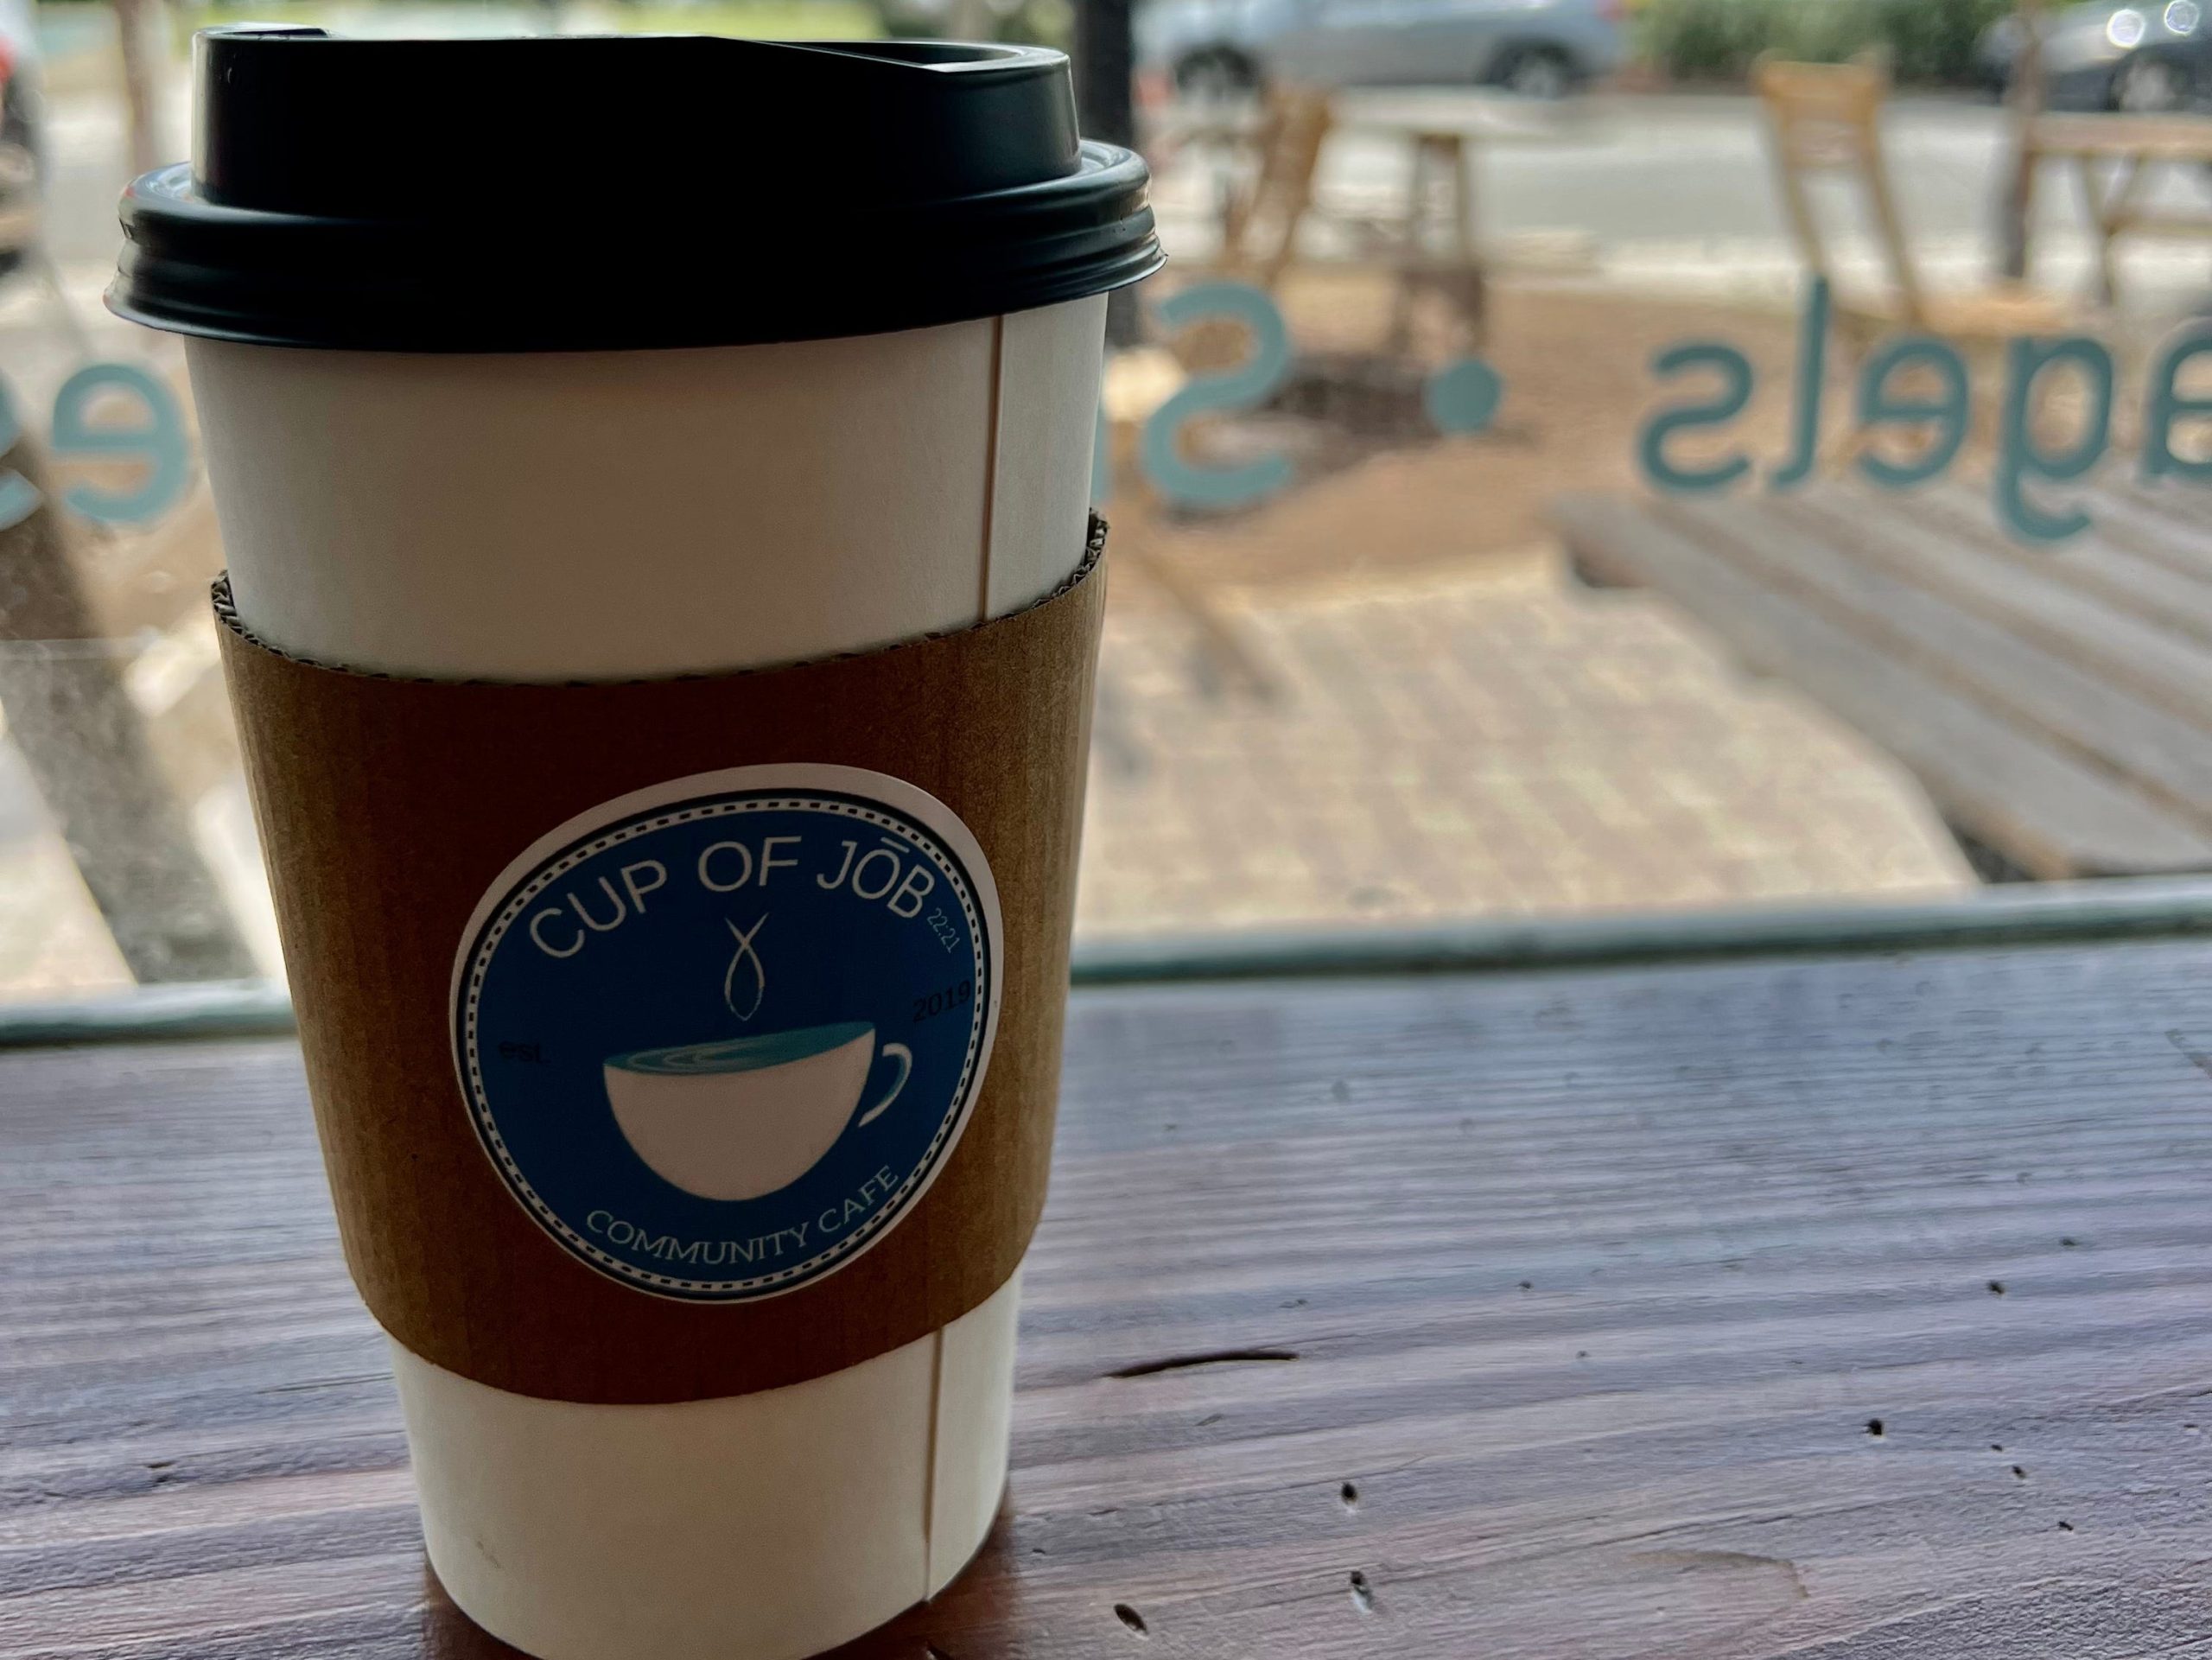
{"points": [[437, 453]]}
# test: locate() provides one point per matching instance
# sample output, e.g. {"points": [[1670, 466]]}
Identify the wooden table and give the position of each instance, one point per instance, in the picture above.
{"points": [[2114, 156], [2055, 704], [1850, 1308], [1282, 145], [1442, 139]]}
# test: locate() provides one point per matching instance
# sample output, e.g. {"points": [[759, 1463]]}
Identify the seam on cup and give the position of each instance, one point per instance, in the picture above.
{"points": [[929, 1468], [991, 469], [226, 615]]}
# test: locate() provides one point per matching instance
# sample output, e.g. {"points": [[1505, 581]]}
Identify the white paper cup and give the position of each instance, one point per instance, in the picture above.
{"points": [[635, 513], [798, 356]]}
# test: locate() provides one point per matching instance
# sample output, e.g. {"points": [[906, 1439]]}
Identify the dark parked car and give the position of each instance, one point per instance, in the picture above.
{"points": [[18, 127], [18, 75], [2147, 59]]}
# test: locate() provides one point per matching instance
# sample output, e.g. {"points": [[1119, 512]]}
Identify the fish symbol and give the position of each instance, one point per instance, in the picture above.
{"points": [[744, 954]]}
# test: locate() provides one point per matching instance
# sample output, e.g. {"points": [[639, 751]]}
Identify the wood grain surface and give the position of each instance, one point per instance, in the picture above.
{"points": [[1841, 1309]]}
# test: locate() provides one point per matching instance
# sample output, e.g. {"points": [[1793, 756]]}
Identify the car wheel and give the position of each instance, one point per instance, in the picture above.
{"points": [[1215, 75], [2150, 85], [1538, 71]]}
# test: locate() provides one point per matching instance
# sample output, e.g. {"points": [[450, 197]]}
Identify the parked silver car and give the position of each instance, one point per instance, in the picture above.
{"points": [[19, 129], [1541, 49]]}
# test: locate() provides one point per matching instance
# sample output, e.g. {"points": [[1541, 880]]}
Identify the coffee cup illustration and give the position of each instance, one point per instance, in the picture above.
{"points": [[743, 1117]]}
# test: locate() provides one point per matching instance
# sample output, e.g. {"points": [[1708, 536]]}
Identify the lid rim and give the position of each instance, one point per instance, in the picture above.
{"points": [[433, 324]]}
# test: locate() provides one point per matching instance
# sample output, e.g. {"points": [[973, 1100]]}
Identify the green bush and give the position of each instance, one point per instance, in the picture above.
{"points": [[1703, 40]]}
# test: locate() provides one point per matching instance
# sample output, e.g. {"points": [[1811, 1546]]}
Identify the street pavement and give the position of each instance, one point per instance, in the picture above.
{"points": [[1675, 194], [1471, 742]]}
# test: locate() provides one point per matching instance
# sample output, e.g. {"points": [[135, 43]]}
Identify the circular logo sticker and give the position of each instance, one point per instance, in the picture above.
{"points": [[718, 1036]]}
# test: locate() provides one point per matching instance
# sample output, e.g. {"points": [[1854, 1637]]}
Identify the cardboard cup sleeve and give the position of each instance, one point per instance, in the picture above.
{"points": [[391, 811]]}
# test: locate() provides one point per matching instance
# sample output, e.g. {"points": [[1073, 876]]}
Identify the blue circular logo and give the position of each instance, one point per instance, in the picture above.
{"points": [[718, 1036]]}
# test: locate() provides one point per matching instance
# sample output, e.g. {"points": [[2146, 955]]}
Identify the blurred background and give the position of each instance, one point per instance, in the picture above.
{"points": [[1429, 621]]}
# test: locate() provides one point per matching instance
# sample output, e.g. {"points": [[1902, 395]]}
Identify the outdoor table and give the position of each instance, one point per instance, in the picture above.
{"points": [[2127, 147], [1442, 140], [1844, 1302]]}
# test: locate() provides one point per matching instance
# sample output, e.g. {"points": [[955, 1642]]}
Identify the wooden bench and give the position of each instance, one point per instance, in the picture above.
{"points": [[2055, 703]]}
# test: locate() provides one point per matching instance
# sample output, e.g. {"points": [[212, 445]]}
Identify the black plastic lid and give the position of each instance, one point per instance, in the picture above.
{"points": [[568, 194]]}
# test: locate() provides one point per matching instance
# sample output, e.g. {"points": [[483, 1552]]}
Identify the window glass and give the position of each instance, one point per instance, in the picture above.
{"points": [[1581, 456]]}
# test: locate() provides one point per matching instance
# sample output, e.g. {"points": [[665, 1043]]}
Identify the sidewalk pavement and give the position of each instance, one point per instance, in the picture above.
{"points": [[1472, 744]]}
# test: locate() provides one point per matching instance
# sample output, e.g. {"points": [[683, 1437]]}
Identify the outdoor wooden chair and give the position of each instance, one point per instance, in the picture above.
{"points": [[1261, 214], [1826, 119], [85, 739]]}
